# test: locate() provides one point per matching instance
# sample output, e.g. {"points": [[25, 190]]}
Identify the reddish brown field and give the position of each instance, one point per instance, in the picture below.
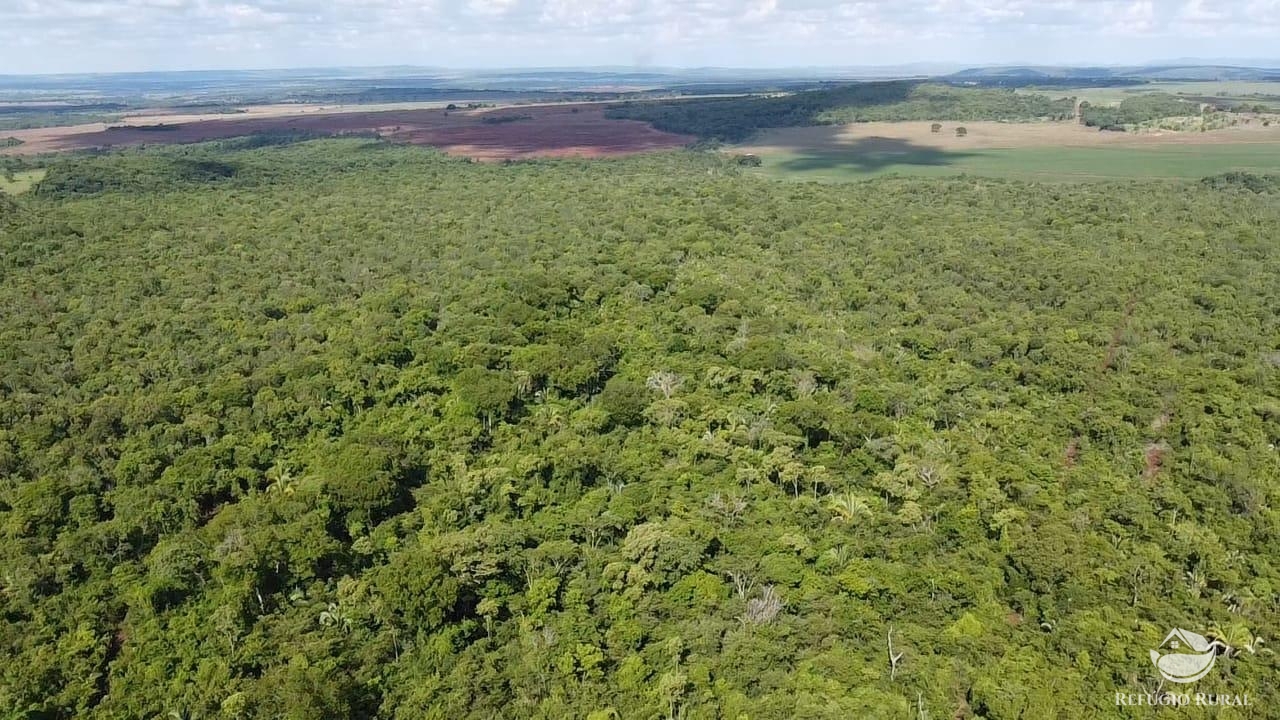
{"points": [[551, 131], [541, 131]]}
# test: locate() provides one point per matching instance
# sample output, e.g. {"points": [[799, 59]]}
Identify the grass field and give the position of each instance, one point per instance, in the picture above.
{"points": [[1267, 93], [22, 181], [1046, 164], [1038, 151]]}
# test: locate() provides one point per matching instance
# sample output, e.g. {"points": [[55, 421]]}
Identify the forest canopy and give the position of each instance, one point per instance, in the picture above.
{"points": [[343, 429]]}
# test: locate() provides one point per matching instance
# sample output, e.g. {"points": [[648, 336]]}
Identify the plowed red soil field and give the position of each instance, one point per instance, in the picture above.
{"points": [[492, 134]]}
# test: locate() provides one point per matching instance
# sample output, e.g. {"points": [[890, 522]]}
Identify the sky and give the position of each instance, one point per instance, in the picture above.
{"points": [[54, 36]]}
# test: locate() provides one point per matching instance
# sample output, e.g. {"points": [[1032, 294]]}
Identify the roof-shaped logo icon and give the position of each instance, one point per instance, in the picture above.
{"points": [[1184, 656]]}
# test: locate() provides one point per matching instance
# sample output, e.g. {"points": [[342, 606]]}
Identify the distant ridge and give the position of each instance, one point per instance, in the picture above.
{"points": [[425, 83], [1024, 73]]}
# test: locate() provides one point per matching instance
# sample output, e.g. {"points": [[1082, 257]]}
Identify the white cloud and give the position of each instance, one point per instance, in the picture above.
{"points": [[491, 8], [1129, 18], [86, 35], [761, 10]]}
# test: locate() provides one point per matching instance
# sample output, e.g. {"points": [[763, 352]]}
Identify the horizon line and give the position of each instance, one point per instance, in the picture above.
{"points": [[1240, 63]]}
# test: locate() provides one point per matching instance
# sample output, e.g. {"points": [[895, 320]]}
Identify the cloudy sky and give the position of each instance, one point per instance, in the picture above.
{"points": [[110, 35]]}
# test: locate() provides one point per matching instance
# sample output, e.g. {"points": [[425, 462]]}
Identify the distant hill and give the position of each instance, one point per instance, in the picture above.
{"points": [[403, 83], [1208, 72], [1032, 72], [1093, 75]]}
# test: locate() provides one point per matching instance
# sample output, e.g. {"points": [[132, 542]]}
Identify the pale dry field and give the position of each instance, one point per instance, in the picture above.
{"points": [[44, 139], [893, 136]]}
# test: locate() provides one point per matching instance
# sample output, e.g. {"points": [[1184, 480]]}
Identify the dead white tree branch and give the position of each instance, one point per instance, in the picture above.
{"points": [[893, 659]]}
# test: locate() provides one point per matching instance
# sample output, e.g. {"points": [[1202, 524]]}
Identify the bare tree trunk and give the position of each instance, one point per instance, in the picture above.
{"points": [[893, 659]]}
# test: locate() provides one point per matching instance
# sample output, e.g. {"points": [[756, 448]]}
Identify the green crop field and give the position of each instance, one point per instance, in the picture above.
{"points": [[21, 182], [1262, 92], [1042, 164], [1225, 88]]}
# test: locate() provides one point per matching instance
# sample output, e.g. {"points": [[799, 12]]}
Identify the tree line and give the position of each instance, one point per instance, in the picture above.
{"points": [[736, 119]]}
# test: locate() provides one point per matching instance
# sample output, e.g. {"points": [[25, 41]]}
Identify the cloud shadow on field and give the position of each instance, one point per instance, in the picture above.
{"points": [[869, 155]]}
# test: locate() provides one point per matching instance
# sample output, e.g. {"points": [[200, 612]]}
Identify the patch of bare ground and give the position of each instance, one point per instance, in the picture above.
{"points": [[992, 135], [1154, 459]]}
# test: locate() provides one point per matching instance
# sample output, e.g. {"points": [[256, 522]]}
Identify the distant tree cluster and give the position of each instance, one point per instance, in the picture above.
{"points": [[134, 172], [736, 119], [1244, 180], [1135, 110], [268, 138], [11, 119], [944, 102], [502, 119]]}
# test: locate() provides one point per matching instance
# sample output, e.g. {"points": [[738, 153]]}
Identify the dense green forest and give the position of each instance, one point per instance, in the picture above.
{"points": [[342, 429], [944, 102], [736, 119]]}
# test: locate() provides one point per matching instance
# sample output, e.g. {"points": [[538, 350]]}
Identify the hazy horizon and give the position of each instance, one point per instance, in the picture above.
{"points": [[104, 36], [778, 70]]}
